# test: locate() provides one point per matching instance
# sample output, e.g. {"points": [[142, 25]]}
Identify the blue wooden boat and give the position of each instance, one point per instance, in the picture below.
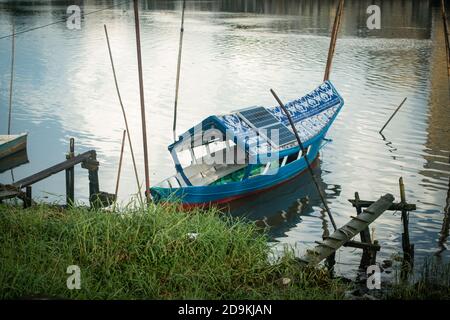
{"points": [[11, 144], [226, 157]]}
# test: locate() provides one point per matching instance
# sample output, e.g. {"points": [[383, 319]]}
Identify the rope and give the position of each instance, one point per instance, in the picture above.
{"points": [[61, 21]]}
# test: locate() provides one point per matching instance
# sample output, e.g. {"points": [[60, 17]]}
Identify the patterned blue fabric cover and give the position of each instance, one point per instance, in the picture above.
{"points": [[310, 114]]}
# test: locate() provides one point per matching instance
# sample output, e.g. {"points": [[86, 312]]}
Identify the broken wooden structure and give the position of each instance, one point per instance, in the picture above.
{"points": [[366, 213], [88, 160], [344, 234]]}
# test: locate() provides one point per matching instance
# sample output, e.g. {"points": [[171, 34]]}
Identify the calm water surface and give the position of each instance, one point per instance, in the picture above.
{"points": [[234, 52]]}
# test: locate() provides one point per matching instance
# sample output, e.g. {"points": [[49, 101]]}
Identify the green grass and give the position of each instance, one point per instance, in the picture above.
{"points": [[146, 255], [432, 282]]}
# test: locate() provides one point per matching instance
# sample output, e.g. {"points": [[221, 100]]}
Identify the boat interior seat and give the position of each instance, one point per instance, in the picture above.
{"points": [[164, 184], [201, 173], [175, 181], [210, 177], [195, 169]]}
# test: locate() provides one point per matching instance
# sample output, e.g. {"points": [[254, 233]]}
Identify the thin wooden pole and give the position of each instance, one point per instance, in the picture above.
{"points": [[177, 85], [334, 33], [392, 116], [13, 49], [119, 169], [322, 197], [124, 116], [13, 54], [141, 91], [446, 34]]}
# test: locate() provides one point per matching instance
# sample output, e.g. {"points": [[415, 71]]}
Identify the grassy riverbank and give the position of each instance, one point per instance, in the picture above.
{"points": [[146, 255], [431, 283]]}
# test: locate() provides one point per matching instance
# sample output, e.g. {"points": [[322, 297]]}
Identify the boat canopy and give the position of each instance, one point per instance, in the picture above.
{"points": [[251, 128]]}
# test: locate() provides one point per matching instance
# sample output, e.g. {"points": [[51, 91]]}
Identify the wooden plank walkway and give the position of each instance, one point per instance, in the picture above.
{"points": [[54, 169], [344, 234]]}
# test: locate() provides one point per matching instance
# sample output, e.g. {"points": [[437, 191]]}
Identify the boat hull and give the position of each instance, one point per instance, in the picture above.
{"points": [[217, 194], [12, 145]]}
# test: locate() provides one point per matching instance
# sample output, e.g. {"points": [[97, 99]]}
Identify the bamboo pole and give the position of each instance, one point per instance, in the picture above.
{"points": [[119, 169], [141, 91], [13, 49], [177, 85], [392, 116], [124, 116], [446, 34], [300, 144], [334, 33], [13, 54]]}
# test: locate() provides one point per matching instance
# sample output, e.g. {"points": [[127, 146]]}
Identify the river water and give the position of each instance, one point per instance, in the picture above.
{"points": [[234, 52]]}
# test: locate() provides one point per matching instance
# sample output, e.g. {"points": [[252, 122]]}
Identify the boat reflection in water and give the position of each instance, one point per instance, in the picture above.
{"points": [[282, 208], [13, 161]]}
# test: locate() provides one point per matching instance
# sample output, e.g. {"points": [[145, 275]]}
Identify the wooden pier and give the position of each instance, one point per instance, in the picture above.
{"points": [[88, 160]]}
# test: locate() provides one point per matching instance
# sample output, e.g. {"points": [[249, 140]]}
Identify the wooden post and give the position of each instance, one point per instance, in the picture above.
{"points": [[28, 197], [330, 262], [367, 255], [373, 253], [141, 91], [70, 176], [408, 249], [94, 188]]}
